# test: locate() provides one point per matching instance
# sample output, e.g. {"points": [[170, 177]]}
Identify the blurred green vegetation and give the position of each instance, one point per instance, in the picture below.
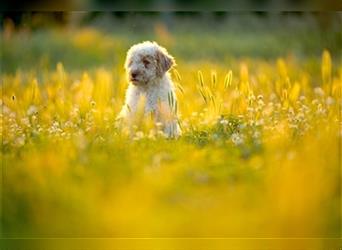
{"points": [[103, 40]]}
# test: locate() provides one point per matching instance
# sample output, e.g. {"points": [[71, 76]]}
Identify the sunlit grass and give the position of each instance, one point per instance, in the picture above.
{"points": [[258, 156]]}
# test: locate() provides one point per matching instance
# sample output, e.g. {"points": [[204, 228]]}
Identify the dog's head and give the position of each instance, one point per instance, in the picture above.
{"points": [[146, 62]]}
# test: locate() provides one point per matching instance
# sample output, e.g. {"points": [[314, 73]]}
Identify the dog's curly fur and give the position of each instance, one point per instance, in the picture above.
{"points": [[147, 65]]}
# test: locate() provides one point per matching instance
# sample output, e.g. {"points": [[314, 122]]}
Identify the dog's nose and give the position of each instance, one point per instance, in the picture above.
{"points": [[134, 74]]}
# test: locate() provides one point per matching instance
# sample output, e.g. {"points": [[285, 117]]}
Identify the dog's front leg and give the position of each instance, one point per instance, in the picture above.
{"points": [[168, 120], [125, 119], [172, 129]]}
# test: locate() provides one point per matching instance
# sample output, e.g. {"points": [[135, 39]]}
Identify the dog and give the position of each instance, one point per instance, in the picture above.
{"points": [[147, 68]]}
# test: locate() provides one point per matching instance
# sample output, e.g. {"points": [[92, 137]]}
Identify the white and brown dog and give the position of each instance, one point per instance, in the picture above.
{"points": [[147, 65]]}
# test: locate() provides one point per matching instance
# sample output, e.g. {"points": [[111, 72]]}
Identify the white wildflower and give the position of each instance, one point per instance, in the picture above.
{"points": [[6, 110], [237, 139], [319, 91], [250, 110], [138, 135], [20, 141], [256, 134], [330, 101], [273, 97], [259, 122], [26, 121], [314, 102], [32, 110], [261, 103], [302, 98], [224, 122]]}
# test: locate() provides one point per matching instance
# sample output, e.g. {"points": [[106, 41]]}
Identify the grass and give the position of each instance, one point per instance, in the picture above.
{"points": [[259, 156]]}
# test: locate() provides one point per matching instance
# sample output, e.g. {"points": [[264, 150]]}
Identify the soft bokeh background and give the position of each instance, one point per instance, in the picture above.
{"points": [[259, 100], [83, 40]]}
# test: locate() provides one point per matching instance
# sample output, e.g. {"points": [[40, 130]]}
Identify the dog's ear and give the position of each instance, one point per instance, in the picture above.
{"points": [[164, 61]]}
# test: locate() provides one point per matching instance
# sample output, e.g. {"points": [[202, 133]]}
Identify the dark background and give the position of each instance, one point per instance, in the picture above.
{"points": [[172, 5]]}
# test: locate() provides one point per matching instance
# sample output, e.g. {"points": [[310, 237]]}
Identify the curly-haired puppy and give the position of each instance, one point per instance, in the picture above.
{"points": [[147, 65]]}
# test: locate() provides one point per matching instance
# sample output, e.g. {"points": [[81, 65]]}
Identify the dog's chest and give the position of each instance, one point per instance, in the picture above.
{"points": [[153, 98]]}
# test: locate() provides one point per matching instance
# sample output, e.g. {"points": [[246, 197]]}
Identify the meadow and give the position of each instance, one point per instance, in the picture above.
{"points": [[259, 157]]}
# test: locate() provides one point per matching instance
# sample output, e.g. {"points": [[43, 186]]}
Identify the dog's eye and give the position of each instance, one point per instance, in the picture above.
{"points": [[146, 62]]}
